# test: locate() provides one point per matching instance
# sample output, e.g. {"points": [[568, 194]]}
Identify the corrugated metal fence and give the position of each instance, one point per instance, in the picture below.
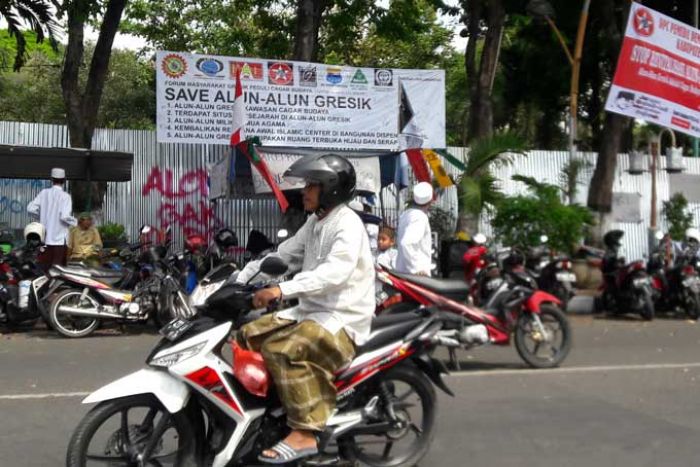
{"points": [[169, 185]]}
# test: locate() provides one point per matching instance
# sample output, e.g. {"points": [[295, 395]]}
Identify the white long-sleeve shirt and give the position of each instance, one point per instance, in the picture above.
{"points": [[414, 243], [335, 287], [54, 207]]}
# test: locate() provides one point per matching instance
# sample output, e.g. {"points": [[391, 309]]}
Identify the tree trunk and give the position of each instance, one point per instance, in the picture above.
{"points": [[481, 115], [82, 106], [309, 13], [600, 190], [473, 20]]}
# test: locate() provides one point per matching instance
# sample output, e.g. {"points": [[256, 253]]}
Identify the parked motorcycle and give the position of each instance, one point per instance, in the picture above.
{"points": [[23, 286], [514, 307], [22, 283], [94, 295], [626, 287], [191, 406], [552, 272], [678, 285]]}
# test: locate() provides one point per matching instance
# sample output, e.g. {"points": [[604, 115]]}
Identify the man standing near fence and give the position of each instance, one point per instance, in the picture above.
{"points": [[54, 207], [414, 234]]}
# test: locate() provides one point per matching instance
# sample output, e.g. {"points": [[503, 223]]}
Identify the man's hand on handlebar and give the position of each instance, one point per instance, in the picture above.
{"points": [[264, 297]]}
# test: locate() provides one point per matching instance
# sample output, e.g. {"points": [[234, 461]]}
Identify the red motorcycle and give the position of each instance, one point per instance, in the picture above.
{"points": [[540, 329]]}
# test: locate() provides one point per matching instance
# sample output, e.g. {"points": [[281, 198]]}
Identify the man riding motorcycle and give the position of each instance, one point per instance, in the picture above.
{"points": [[303, 346]]}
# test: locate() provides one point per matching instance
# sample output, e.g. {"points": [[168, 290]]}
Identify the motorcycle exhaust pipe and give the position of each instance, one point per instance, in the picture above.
{"points": [[87, 312]]}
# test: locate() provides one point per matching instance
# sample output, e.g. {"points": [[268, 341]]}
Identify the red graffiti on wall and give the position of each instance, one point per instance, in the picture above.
{"points": [[194, 215]]}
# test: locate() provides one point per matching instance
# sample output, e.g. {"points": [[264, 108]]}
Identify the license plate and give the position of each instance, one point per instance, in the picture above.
{"points": [[566, 277], [174, 329]]}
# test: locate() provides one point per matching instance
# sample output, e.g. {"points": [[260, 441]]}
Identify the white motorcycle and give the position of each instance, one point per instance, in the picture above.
{"points": [[203, 400]]}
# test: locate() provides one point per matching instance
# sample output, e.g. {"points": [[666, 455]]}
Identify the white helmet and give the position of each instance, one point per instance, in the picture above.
{"points": [[34, 229], [692, 234], [422, 193]]}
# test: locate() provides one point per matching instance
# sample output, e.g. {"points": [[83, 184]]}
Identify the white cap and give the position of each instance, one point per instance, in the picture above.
{"points": [[422, 193], [355, 205], [57, 173]]}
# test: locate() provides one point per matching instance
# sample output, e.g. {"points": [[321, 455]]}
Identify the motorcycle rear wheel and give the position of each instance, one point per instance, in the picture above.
{"points": [[131, 438], [692, 305], [72, 326], [555, 322], [404, 382], [648, 310]]}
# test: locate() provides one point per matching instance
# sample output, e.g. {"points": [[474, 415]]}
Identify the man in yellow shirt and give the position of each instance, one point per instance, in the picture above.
{"points": [[84, 241]]}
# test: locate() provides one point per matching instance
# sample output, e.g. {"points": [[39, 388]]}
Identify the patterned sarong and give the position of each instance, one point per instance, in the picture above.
{"points": [[301, 357]]}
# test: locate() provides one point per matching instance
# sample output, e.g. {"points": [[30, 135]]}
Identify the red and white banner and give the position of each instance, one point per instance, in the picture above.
{"points": [[658, 73]]}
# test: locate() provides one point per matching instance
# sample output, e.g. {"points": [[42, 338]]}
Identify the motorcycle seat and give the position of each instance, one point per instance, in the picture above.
{"points": [[105, 273], [454, 289], [389, 328]]}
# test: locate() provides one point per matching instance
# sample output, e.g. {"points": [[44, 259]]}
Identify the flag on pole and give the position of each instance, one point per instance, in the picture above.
{"points": [[439, 172], [418, 164], [255, 158], [239, 117]]}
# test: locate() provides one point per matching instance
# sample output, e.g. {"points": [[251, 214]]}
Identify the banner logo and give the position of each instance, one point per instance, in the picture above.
{"points": [[643, 22], [359, 78], [334, 75], [210, 66], [174, 66], [281, 74], [249, 71], [383, 78], [307, 76]]}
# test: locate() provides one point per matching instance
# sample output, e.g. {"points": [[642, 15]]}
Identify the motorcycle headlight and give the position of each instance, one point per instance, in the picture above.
{"points": [[173, 358], [640, 281]]}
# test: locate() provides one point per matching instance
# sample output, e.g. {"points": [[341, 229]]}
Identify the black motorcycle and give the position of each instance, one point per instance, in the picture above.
{"points": [[626, 287]]}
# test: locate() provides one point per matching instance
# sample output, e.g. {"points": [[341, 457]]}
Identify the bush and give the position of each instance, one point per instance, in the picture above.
{"points": [[112, 233], [521, 220], [678, 218]]}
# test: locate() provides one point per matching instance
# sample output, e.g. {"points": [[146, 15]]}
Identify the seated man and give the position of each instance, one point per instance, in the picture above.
{"points": [[303, 346], [84, 241]]}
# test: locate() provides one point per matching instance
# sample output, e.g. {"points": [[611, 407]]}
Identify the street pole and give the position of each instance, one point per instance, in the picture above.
{"points": [[654, 148], [575, 75], [696, 9]]}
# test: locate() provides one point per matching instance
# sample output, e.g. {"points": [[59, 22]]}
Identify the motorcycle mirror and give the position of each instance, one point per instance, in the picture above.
{"points": [[479, 238], [544, 239], [659, 235], [273, 266], [282, 234]]}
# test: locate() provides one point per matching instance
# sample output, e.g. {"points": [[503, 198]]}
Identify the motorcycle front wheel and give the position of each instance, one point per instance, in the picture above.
{"points": [[412, 398], [72, 325], [134, 430], [543, 351]]}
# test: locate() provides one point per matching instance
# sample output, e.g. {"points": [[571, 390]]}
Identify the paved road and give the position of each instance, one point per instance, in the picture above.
{"points": [[629, 395]]}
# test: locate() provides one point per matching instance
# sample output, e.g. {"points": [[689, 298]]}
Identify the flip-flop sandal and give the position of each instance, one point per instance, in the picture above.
{"points": [[286, 454]]}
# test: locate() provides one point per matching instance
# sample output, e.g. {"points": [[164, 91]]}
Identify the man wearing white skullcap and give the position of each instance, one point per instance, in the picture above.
{"points": [[414, 236], [54, 207]]}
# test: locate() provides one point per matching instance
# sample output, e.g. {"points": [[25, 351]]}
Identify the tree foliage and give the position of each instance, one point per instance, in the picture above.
{"points": [[677, 216], [35, 14], [521, 220]]}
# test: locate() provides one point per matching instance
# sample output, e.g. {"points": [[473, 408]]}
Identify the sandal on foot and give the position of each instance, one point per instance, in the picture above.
{"points": [[285, 454]]}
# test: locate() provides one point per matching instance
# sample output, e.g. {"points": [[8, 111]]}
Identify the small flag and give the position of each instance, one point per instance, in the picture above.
{"points": [[239, 117], [255, 158], [405, 109], [439, 172]]}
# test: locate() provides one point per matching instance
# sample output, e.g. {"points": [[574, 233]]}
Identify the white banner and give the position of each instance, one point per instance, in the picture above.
{"points": [[657, 78], [296, 104], [366, 170]]}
